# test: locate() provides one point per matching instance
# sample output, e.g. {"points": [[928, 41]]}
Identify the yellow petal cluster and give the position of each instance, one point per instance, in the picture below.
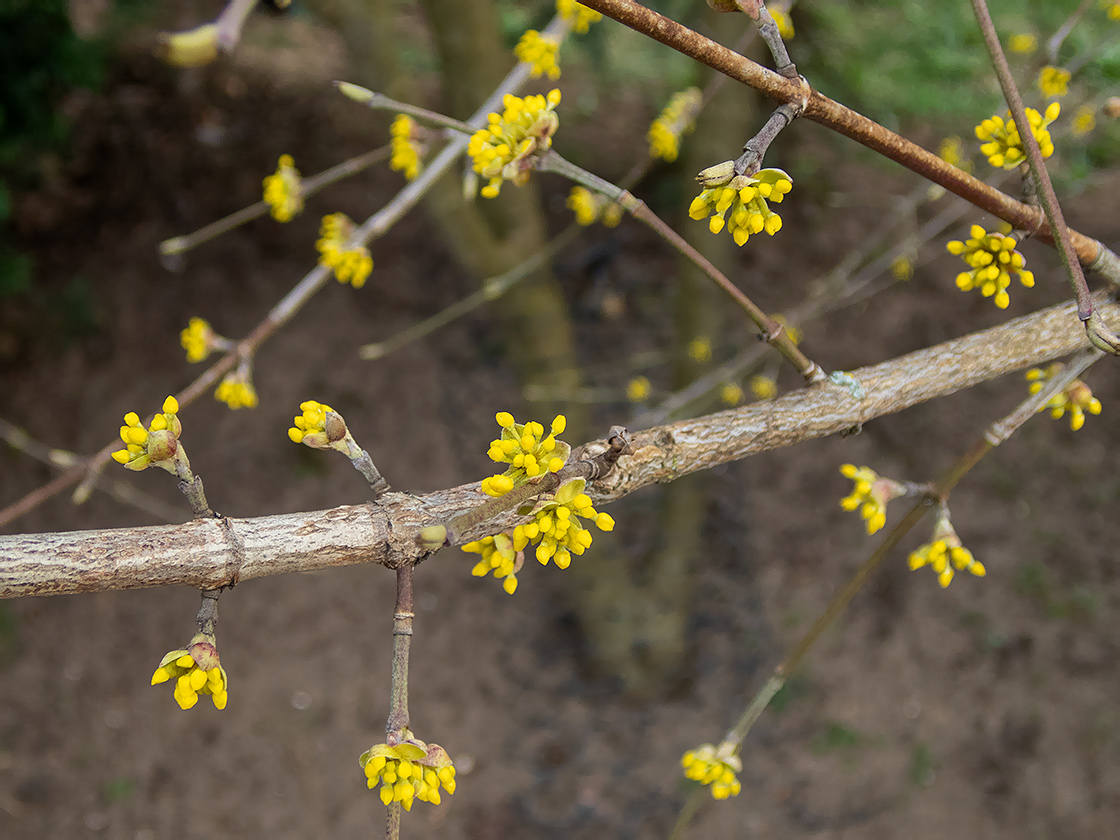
{"points": [[742, 204], [944, 556], [578, 16], [782, 19], [763, 387], [714, 766], [592, 207], [700, 349], [350, 263], [236, 390], [1023, 43], [197, 339], [283, 191], [556, 530], [310, 427], [498, 556], [153, 446], [638, 389], [404, 146], [408, 771], [191, 679], [676, 120], [870, 494], [1084, 121], [730, 394], [1076, 398], [993, 260], [503, 150], [1053, 81], [1001, 143], [527, 450], [540, 52]]}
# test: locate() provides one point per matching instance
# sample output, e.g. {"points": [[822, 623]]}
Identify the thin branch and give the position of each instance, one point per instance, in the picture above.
{"points": [[210, 553]]}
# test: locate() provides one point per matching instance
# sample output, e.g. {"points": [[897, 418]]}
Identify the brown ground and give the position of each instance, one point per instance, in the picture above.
{"points": [[988, 709]]}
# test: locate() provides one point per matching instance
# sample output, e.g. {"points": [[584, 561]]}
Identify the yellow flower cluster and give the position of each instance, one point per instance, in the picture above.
{"points": [[1076, 398], [197, 339], [951, 151], [1112, 7], [350, 263], [404, 146], [993, 259], [236, 390], [730, 394], [153, 446], [782, 19], [870, 494], [527, 450], [310, 427], [902, 268], [556, 529], [742, 206], [700, 349], [763, 387], [1024, 43], [1084, 121], [502, 151], [578, 16], [592, 207], [283, 191], [408, 771], [1053, 81], [497, 556], [638, 389], [714, 766], [943, 556], [540, 52], [1001, 142], [677, 120], [192, 678]]}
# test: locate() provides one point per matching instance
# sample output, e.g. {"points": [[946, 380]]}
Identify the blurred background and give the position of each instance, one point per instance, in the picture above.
{"points": [[982, 710]]}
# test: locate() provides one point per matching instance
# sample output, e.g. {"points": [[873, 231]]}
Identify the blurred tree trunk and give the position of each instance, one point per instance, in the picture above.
{"points": [[636, 610], [488, 236]]}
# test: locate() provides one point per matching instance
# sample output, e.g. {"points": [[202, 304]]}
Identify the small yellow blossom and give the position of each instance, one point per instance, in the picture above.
{"points": [[196, 670], [197, 339], [1001, 142], [700, 349], [578, 16], [527, 450], [730, 394], [405, 145], [499, 557], [1053, 81], [902, 268], [155, 446], [715, 766], [945, 554], [351, 263], [556, 529], [283, 191], [763, 387], [951, 151], [638, 389], [994, 260], [870, 494], [741, 204], [1112, 7], [503, 150], [676, 120], [1024, 43], [782, 19], [1076, 398], [540, 52], [592, 207], [237, 391], [1084, 121], [407, 769]]}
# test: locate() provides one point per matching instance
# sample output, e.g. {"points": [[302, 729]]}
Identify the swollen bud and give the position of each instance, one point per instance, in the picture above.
{"points": [[718, 175]]}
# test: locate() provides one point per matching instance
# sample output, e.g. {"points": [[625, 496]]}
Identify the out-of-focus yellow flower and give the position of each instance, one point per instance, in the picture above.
{"points": [[578, 16], [763, 387], [902, 268], [1053, 81], [638, 389], [197, 339], [540, 52], [406, 146], [592, 207], [714, 766], [283, 190], [782, 19], [1076, 398], [1084, 121], [700, 349], [870, 494], [677, 120], [730, 394], [1023, 43], [350, 262], [945, 554], [236, 390]]}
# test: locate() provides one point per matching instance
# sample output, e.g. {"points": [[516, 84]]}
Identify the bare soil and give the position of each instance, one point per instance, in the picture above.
{"points": [[984, 710]]}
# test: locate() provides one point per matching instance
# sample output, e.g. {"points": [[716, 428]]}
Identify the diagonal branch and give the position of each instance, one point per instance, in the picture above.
{"points": [[209, 553]]}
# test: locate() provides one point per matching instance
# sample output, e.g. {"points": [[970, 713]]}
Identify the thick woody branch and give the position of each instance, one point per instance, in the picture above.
{"points": [[210, 553]]}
